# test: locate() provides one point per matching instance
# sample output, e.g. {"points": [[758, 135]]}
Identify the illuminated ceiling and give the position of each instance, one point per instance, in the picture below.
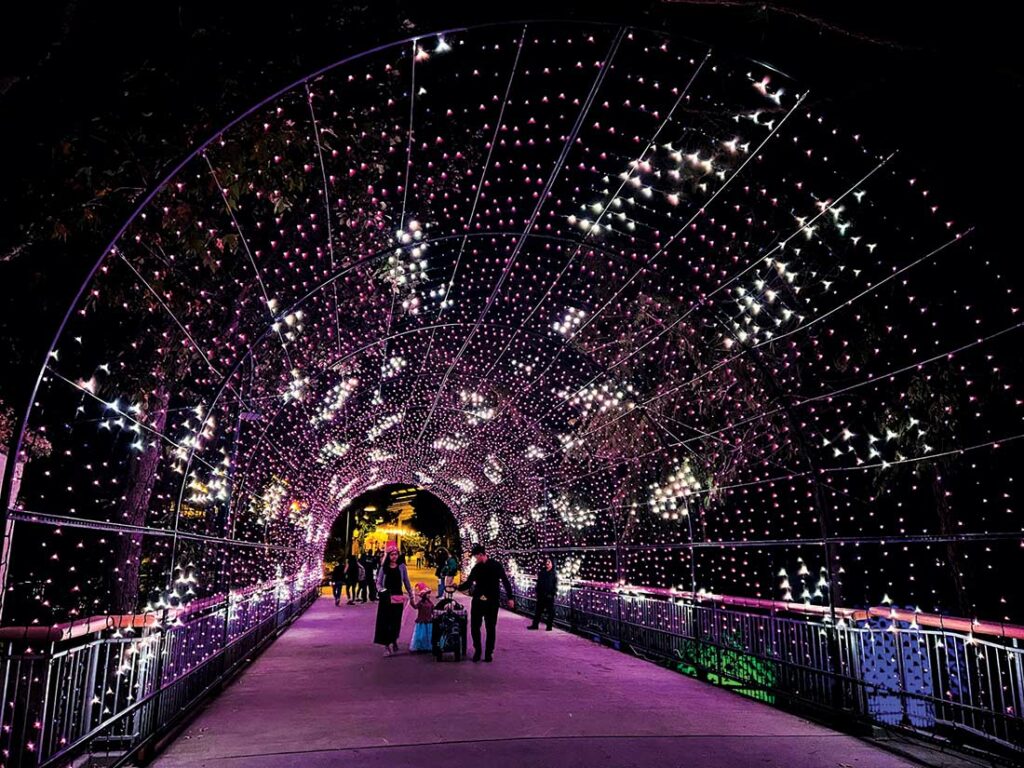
{"points": [[602, 291]]}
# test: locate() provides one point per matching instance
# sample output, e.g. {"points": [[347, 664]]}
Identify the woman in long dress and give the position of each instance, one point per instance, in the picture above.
{"points": [[391, 578]]}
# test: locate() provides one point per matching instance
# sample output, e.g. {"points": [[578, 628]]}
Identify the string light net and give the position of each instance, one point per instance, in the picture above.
{"points": [[609, 295]]}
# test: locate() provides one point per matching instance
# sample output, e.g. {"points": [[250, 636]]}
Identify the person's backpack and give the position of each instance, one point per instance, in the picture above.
{"points": [[362, 572]]}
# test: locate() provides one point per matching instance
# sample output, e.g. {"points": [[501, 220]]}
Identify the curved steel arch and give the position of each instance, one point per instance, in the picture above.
{"points": [[17, 440], [19, 434], [364, 326]]}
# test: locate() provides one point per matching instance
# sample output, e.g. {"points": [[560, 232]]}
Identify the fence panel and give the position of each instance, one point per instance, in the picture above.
{"points": [[95, 700], [888, 672]]}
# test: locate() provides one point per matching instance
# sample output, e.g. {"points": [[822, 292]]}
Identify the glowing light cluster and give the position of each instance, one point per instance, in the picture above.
{"points": [[475, 407], [599, 397], [573, 514], [336, 398], [669, 499], [570, 321]]}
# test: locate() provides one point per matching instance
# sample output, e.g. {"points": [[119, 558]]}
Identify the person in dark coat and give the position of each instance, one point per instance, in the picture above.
{"points": [[547, 588], [447, 568], [368, 586], [337, 580], [485, 582], [351, 578], [391, 578]]}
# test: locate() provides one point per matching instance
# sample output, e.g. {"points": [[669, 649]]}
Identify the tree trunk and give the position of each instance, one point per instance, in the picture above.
{"points": [[134, 506]]}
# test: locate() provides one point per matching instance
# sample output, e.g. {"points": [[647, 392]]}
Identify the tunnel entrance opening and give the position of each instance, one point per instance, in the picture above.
{"points": [[395, 514]]}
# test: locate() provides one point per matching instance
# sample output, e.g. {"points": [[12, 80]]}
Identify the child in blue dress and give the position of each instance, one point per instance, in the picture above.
{"points": [[421, 636]]}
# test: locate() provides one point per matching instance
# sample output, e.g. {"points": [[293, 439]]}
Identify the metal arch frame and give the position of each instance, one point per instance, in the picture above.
{"points": [[354, 353], [533, 423], [578, 243], [298, 303], [342, 271], [17, 439], [18, 436]]}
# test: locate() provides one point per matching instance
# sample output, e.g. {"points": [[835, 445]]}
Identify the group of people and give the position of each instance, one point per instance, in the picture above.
{"points": [[356, 577], [484, 583]]}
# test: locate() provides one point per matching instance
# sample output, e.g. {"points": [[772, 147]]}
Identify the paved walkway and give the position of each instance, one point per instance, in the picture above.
{"points": [[322, 695]]}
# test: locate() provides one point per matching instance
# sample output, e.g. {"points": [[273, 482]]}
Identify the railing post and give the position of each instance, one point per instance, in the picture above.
{"points": [[716, 637], [162, 646], [572, 609], [901, 674], [618, 617], [1016, 730], [90, 685], [225, 635], [44, 719], [834, 666], [697, 636]]}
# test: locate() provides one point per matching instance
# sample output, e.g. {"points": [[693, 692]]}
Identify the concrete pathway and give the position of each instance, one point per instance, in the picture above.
{"points": [[323, 695]]}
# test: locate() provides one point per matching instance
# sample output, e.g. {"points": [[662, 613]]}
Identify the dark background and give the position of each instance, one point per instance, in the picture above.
{"points": [[99, 100]]}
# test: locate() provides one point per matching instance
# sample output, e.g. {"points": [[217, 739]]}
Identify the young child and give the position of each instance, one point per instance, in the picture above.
{"points": [[421, 636]]}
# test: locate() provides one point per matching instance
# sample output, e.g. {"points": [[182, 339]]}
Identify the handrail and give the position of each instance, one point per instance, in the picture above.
{"points": [[69, 630], [918, 618], [79, 627]]}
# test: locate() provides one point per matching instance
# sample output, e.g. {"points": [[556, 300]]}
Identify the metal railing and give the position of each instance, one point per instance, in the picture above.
{"points": [[85, 695], [100, 691], [866, 668]]}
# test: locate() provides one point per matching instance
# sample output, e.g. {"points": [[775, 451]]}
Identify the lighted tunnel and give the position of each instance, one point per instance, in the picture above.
{"points": [[608, 294]]}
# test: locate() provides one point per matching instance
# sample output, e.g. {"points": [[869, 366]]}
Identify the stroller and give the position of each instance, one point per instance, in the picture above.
{"points": [[448, 628]]}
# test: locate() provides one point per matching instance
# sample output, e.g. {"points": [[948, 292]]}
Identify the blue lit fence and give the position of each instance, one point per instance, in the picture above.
{"points": [[944, 683]]}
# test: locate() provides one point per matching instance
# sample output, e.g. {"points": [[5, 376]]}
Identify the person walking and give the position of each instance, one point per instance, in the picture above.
{"points": [[422, 638], [485, 582], [547, 588], [368, 585], [337, 580], [351, 578], [391, 578], [447, 567]]}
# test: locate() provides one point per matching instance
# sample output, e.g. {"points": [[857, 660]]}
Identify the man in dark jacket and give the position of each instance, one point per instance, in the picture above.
{"points": [[547, 587], [352, 579], [337, 580], [485, 581], [368, 585]]}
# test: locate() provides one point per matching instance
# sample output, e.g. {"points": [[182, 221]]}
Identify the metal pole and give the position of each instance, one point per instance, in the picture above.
{"points": [[90, 686], [693, 564], [10, 478], [348, 541]]}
